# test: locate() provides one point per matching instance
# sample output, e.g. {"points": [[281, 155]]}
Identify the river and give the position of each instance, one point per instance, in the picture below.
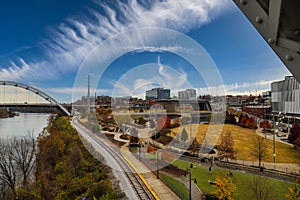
{"points": [[19, 126]]}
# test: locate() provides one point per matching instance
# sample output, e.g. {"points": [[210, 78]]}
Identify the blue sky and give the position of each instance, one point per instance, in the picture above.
{"points": [[45, 44]]}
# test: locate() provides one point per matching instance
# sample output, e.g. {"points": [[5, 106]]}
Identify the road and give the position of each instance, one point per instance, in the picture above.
{"points": [[129, 181]]}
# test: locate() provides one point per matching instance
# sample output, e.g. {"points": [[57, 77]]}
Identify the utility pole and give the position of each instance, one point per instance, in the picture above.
{"points": [[88, 95]]}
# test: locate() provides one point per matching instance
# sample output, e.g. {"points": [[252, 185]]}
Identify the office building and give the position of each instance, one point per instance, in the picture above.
{"points": [[158, 93], [286, 96]]}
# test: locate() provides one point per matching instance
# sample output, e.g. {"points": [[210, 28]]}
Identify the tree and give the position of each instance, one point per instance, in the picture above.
{"points": [[226, 147], [261, 188], [24, 150], [230, 118], [142, 121], [184, 135], [8, 171], [17, 162], [293, 192], [259, 149], [96, 128], [134, 136], [294, 134], [226, 188], [194, 148], [162, 122], [265, 124]]}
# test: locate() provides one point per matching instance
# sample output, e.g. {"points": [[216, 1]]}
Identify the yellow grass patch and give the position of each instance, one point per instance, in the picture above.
{"points": [[243, 141]]}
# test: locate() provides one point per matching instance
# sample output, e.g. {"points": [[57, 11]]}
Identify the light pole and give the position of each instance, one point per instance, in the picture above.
{"points": [[191, 125], [189, 171]]}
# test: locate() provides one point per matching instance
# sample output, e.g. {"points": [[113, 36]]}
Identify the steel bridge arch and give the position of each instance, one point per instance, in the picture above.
{"points": [[37, 92]]}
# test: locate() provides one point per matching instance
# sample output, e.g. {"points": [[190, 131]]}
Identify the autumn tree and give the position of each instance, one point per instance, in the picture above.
{"points": [[259, 149], [162, 122], [226, 147], [230, 118], [134, 136], [265, 124], [194, 148], [226, 188], [294, 134], [261, 188], [293, 192], [65, 168]]}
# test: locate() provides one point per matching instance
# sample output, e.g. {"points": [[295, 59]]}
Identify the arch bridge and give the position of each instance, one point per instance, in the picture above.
{"points": [[38, 92]]}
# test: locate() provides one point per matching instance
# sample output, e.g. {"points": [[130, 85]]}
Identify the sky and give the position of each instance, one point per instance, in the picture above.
{"points": [[130, 46]]}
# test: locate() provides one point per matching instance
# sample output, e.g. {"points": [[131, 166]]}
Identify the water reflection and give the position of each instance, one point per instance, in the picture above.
{"points": [[20, 125]]}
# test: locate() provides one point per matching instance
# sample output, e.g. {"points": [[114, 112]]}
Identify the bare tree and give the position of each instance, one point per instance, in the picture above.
{"points": [[261, 188], [8, 171], [259, 149], [226, 147], [17, 162], [23, 154]]}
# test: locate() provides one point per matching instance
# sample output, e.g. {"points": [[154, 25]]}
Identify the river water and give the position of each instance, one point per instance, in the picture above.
{"points": [[19, 126]]}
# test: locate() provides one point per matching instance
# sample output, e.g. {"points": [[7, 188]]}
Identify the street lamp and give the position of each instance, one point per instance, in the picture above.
{"points": [[157, 172], [191, 120], [274, 143], [189, 171]]}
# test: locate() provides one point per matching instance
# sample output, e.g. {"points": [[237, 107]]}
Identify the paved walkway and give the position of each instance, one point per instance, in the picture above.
{"points": [[161, 190], [270, 136], [196, 193]]}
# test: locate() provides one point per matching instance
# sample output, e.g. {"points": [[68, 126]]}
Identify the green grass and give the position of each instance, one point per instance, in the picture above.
{"points": [[241, 179], [176, 186]]}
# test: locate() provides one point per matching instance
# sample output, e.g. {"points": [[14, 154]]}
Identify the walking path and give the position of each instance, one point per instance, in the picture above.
{"points": [[270, 136]]}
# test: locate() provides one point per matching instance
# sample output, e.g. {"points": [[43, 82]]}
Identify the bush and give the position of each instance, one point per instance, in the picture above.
{"points": [[96, 128]]}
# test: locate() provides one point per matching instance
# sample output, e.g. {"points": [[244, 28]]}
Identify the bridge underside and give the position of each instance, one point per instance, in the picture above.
{"points": [[33, 109], [278, 23]]}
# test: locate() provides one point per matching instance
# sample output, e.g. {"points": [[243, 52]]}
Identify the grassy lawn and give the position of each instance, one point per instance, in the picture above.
{"points": [[243, 140], [241, 179], [177, 187]]}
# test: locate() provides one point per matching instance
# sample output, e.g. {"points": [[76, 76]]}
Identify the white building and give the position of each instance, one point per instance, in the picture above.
{"points": [[286, 96], [187, 94]]}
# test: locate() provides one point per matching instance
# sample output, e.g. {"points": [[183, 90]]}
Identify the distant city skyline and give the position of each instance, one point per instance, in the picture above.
{"points": [[48, 51]]}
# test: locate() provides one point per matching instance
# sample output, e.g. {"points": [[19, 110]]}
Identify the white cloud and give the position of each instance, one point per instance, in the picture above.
{"points": [[145, 77], [70, 42], [238, 89]]}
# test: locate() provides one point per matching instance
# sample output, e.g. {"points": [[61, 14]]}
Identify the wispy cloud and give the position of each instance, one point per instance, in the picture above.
{"points": [[141, 78], [71, 41], [237, 89]]}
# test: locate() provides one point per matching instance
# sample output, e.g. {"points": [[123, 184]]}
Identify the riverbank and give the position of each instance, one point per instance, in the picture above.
{"points": [[4, 113]]}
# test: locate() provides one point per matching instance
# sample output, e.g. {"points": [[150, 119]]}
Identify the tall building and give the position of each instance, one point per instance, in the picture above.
{"points": [[187, 94], [286, 96], [158, 93]]}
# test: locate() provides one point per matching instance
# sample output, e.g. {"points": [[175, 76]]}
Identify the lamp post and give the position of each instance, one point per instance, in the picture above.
{"points": [[274, 143], [157, 174], [190, 180], [191, 120]]}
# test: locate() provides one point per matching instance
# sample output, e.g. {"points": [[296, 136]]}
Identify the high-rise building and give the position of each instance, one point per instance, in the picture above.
{"points": [[286, 96], [158, 93], [187, 94]]}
